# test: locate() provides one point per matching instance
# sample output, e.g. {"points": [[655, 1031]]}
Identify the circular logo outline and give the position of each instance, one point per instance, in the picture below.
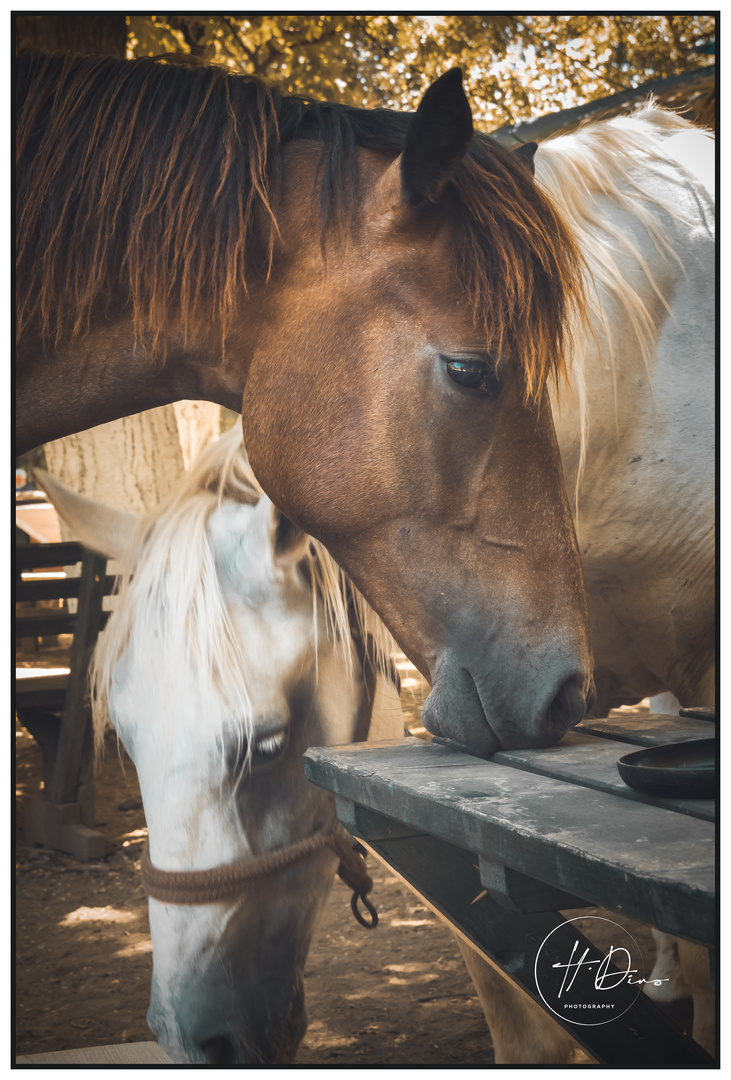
{"points": [[615, 1016]]}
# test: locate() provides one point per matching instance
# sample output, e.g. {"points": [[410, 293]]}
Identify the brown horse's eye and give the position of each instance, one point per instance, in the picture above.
{"points": [[477, 375]]}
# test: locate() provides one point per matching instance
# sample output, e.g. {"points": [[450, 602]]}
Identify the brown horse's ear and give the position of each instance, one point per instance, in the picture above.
{"points": [[527, 154], [438, 138]]}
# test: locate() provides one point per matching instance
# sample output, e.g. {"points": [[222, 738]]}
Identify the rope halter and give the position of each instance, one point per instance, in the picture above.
{"points": [[226, 882]]}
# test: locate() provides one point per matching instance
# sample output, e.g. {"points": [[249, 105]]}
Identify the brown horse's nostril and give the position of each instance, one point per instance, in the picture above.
{"points": [[219, 1051], [568, 706]]}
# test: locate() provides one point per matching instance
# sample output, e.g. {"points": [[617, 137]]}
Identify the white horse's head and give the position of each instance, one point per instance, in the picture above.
{"points": [[229, 654]]}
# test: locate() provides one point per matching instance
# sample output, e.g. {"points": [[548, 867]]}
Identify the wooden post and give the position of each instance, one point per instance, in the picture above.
{"points": [[75, 724]]}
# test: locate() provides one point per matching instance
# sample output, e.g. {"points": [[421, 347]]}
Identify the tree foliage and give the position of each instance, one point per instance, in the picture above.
{"points": [[516, 66]]}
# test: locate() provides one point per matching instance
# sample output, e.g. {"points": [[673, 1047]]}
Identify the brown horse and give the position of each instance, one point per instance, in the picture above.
{"points": [[383, 296]]}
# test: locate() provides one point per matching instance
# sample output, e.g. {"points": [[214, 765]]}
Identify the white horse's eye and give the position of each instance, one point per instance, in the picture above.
{"points": [[263, 752], [270, 746]]}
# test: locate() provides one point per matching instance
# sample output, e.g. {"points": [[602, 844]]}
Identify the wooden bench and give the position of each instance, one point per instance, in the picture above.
{"points": [[55, 708]]}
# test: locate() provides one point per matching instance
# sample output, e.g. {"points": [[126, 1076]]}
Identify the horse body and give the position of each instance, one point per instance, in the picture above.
{"points": [[217, 731], [637, 443], [637, 439], [383, 296]]}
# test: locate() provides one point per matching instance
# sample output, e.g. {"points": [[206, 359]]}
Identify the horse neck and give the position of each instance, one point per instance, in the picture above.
{"points": [[640, 219], [107, 374], [110, 370], [629, 194]]}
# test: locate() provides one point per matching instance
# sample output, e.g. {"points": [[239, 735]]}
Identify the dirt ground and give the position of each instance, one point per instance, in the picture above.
{"points": [[398, 995]]}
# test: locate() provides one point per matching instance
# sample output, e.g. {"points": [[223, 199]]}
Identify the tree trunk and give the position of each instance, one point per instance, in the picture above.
{"points": [[133, 463]]}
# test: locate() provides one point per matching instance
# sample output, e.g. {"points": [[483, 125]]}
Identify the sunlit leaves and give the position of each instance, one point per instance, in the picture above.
{"points": [[516, 66]]}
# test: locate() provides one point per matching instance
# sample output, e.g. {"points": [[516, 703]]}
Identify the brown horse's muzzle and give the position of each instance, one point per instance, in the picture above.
{"points": [[479, 710]]}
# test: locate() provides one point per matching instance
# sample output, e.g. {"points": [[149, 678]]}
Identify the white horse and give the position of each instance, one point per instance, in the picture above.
{"points": [[637, 437], [236, 643], [639, 194], [230, 651], [636, 433]]}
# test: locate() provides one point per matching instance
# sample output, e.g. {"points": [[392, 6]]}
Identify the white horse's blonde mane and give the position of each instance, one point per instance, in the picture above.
{"points": [[171, 612], [616, 159]]}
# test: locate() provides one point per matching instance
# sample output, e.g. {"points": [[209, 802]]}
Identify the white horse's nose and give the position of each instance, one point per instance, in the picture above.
{"points": [[202, 1024], [220, 1051], [192, 1040]]}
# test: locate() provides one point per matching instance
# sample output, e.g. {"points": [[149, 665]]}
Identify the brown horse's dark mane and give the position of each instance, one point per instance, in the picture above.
{"points": [[145, 180]]}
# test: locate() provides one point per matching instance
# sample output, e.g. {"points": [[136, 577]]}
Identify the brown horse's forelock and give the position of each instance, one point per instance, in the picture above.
{"points": [[144, 182], [518, 264]]}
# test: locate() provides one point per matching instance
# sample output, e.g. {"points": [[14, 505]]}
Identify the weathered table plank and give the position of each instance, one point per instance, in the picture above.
{"points": [[591, 762], [648, 729], [635, 858]]}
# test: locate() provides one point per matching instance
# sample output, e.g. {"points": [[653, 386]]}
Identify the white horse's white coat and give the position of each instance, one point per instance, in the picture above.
{"points": [[637, 443], [645, 400]]}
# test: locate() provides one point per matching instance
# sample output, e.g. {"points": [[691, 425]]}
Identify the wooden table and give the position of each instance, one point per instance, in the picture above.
{"points": [[534, 833]]}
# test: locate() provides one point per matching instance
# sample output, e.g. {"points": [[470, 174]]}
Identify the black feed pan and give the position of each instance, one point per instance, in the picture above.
{"points": [[684, 770]]}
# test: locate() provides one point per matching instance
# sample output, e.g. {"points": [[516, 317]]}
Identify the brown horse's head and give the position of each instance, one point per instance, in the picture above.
{"points": [[389, 294], [395, 407]]}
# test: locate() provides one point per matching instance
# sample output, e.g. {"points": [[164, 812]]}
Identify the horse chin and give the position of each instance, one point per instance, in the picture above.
{"points": [[232, 1051], [454, 711], [212, 1040]]}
